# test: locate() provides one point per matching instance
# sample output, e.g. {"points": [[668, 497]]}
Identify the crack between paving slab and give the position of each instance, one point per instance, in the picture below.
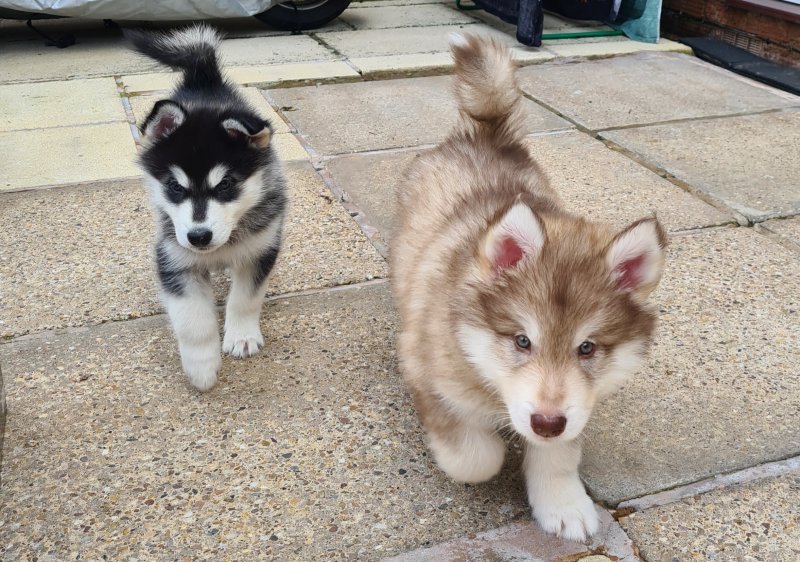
{"points": [[771, 469], [373, 234], [220, 308], [334, 50], [777, 237], [791, 109], [739, 218]]}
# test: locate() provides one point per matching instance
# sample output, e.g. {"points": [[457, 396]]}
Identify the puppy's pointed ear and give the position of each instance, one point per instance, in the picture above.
{"points": [[255, 132], [517, 236], [165, 117], [635, 257]]}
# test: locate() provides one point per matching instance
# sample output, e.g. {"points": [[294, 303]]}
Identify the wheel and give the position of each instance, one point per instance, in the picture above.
{"points": [[299, 15]]}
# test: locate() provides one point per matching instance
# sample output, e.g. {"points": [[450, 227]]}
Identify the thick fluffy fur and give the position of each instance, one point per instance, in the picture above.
{"points": [[514, 313], [219, 197]]}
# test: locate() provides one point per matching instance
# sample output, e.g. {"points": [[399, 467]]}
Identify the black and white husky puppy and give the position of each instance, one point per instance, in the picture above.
{"points": [[219, 196]]}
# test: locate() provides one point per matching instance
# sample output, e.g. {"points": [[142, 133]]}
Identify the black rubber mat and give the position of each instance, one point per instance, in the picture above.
{"points": [[747, 64]]}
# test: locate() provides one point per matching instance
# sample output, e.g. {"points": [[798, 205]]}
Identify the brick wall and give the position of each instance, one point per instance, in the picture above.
{"points": [[769, 36]]}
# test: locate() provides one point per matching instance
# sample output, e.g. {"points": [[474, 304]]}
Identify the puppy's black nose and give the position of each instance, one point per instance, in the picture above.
{"points": [[548, 426], [200, 237]]}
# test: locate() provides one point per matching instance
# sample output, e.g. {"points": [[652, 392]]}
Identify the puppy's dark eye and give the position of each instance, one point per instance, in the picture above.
{"points": [[586, 349], [224, 185], [174, 187], [522, 342]]}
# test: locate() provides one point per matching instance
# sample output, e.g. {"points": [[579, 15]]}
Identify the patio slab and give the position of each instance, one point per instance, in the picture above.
{"points": [[32, 61], [273, 50], [53, 104], [422, 15], [392, 113], [787, 229], [411, 40], [56, 243], [300, 73], [66, 155], [622, 91], [748, 163], [719, 392], [757, 521], [308, 451], [525, 542], [595, 181]]}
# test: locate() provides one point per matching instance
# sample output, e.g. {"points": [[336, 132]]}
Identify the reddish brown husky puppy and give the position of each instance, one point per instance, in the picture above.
{"points": [[514, 312]]}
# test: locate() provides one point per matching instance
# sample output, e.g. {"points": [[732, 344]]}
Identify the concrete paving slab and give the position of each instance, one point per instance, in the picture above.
{"points": [[552, 24], [646, 88], [757, 521], [421, 15], [719, 392], [392, 66], [593, 48], [405, 41], [749, 163], [59, 104], [56, 243], [65, 155], [32, 61], [300, 73], [309, 451], [598, 182], [273, 50], [525, 542], [787, 229], [392, 113]]}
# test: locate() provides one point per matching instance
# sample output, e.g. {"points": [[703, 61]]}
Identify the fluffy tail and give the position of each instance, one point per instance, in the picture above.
{"points": [[192, 49], [486, 85]]}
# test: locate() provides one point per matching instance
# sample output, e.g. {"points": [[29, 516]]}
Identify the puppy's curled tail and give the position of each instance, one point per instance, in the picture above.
{"points": [[191, 49], [486, 86]]}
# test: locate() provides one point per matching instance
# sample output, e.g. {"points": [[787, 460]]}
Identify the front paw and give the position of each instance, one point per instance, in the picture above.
{"points": [[242, 343], [568, 513], [202, 366]]}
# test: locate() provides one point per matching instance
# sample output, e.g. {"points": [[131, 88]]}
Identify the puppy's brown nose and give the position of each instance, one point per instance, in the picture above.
{"points": [[548, 426]]}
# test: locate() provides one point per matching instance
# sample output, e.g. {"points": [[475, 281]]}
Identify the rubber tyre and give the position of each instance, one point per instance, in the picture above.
{"points": [[287, 18]]}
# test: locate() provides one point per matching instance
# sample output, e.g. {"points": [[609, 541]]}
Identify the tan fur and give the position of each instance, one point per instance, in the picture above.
{"points": [[444, 281]]}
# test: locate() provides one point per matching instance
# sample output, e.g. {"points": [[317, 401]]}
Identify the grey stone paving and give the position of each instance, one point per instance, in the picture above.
{"points": [[787, 229], [749, 163], [720, 391], [594, 180], [391, 114], [66, 260], [310, 451], [757, 521], [645, 88]]}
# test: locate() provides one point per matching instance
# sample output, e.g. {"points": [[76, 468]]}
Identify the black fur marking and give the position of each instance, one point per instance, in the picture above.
{"points": [[172, 280], [264, 265], [167, 227], [199, 206], [270, 207], [198, 61]]}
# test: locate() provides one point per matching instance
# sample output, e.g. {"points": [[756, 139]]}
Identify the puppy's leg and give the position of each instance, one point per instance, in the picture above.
{"points": [[559, 501], [468, 454], [248, 285], [189, 301]]}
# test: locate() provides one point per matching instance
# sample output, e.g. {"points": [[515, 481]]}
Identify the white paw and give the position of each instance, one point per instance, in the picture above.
{"points": [[202, 366], [568, 513], [242, 343]]}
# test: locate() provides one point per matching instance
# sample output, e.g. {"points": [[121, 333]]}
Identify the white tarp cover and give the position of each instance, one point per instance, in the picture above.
{"points": [[149, 10]]}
